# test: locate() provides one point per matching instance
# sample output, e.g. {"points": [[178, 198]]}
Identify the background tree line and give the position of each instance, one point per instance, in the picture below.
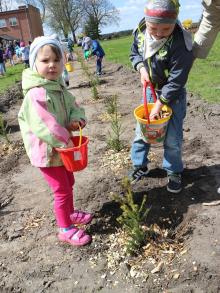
{"points": [[67, 17]]}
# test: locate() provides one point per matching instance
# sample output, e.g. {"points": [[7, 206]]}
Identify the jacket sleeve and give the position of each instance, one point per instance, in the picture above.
{"points": [[179, 67], [208, 29], [41, 122], [77, 113], [94, 47], [136, 57]]}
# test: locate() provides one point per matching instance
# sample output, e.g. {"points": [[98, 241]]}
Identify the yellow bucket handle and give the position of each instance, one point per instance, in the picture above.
{"points": [[80, 135]]}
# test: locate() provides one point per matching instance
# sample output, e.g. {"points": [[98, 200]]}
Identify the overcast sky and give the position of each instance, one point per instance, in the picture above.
{"points": [[131, 11]]}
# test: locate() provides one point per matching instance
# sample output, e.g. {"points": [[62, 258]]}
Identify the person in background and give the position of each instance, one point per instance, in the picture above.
{"points": [[46, 118], [4, 57], [208, 30], [162, 53], [25, 54], [86, 42], [2, 70], [95, 49], [17, 50], [65, 74], [70, 49], [10, 53]]}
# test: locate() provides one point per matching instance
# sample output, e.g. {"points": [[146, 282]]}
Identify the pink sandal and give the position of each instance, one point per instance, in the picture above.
{"points": [[79, 217], [75, 236]]}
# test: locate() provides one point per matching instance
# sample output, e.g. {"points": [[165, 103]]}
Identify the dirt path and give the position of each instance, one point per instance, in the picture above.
{"points": [[31, 258]]}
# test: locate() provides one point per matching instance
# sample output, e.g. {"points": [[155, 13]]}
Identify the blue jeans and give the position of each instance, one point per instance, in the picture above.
{"points": [[172, 159], [99, 65], [2, 68]]}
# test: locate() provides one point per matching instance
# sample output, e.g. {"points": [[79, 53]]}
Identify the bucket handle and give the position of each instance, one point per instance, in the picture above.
{"points": [[145, 97], [80, 135]]}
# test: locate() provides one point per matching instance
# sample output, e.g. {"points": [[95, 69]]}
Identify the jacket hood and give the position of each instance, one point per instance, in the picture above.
{"points": [[31, 79]]}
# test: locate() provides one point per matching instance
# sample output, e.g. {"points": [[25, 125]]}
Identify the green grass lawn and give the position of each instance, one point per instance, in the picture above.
{"points": [[13, 74], [118, 50], [204, 78]]}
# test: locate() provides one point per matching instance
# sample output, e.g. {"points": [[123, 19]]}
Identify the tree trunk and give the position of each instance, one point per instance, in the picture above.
{"points": [[74, 37]]}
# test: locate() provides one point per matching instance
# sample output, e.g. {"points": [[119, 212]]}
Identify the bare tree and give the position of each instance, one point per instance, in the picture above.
{"points": [[101, 12], [5, 5], [73, 11], [65, 16], [55, 17]]}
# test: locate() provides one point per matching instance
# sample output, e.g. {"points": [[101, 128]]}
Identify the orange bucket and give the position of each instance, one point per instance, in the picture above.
{"points": [[153, 131], [75, 158]]}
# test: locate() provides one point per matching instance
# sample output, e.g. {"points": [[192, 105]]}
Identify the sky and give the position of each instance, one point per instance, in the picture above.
{"points": [[131, 12]]}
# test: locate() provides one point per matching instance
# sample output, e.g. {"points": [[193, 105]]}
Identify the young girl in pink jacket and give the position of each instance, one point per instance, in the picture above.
{"points": [[47, 115]]}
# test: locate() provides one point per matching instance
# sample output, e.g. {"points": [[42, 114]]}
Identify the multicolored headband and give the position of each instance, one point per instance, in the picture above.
{"points": [[162, 11]]}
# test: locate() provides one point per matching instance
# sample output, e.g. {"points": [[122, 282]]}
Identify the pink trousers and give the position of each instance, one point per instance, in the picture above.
{"points": [[61, 183]]}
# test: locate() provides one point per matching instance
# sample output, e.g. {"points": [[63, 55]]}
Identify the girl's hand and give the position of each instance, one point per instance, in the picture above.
{"points": [[74, 125], [82, 123], [154, 114], [144, 75]]}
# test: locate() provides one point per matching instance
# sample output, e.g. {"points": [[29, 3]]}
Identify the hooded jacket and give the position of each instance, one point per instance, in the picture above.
{"points": [[169, 67], [208, 28], [46, 111], [96, 49]]}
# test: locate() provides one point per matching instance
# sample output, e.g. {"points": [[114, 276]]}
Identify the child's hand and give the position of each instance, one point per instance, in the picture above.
{"points": [[82, 123], [154, 114], [74, 125], [144, 75]]}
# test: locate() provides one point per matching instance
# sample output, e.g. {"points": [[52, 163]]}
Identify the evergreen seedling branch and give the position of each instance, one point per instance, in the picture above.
{"points": [[114, 141], [3, 129], [132, 218]]}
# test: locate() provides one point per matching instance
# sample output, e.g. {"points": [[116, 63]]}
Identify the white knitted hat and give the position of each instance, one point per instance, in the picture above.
{"points": [[40, 42]]}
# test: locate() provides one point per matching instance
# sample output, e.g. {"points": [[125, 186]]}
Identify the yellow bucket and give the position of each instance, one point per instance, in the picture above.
{"points": [[155, 131], [69, 67]]}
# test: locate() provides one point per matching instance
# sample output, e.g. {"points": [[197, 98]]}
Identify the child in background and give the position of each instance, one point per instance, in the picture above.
{"points": [[47, 115], [70, 45], [162, 53], [86, 47], [10, 53], [17, 50], [25, 50], [95, 49], [2, 70], [65, 74]]}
